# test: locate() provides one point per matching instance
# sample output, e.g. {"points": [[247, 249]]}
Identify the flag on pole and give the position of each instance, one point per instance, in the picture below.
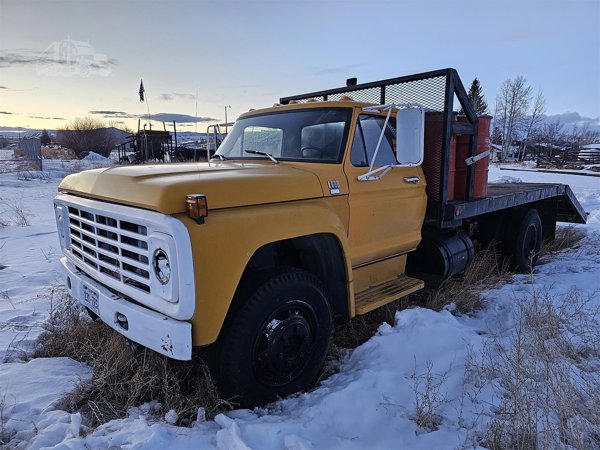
{"points": [[141, 91]]}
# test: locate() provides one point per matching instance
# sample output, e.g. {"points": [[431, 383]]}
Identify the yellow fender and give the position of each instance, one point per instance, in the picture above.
{"points": [[239, 233]]}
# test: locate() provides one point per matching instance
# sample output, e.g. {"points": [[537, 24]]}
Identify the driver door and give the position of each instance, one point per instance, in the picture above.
{"points": [[386, 215]]}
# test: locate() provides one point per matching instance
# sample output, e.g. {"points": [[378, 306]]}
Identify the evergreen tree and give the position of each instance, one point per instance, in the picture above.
{"points": [[45, 138], [477, 98]]}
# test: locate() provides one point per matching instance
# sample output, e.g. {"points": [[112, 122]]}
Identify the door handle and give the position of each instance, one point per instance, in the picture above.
{"points": [[413, 180]]}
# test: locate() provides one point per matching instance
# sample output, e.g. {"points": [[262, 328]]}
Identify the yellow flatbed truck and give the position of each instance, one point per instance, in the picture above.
{"points": [[314, 210]]}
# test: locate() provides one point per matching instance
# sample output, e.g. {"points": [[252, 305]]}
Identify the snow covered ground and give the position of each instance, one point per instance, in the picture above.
{"points": [[375, 401]]}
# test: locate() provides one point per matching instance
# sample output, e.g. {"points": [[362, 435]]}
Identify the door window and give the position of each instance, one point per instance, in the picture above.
{"points": [[368, 130]]}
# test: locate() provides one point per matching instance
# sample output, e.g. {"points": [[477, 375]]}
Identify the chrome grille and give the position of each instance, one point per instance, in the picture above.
{"points": [[112, 246]]}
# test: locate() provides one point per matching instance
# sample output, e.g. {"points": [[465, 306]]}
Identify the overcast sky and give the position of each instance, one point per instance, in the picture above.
{"points": [[65, 59]]}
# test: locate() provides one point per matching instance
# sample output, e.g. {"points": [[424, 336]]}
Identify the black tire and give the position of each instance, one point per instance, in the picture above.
{"points": [[525, 240], [277, 343]]}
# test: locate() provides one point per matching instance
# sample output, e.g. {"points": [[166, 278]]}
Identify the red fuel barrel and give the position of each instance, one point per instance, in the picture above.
{"points": [[432, 160], [482, 166]]}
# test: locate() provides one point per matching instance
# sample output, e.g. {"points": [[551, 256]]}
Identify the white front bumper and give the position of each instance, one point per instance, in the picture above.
{"points": [[170, 337]]}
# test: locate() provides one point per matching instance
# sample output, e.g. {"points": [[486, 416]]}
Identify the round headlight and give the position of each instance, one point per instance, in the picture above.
{"points": [[162, 267]]}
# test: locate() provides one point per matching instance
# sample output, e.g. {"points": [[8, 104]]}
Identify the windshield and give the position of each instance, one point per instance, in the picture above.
{"points": [[301, 135]]}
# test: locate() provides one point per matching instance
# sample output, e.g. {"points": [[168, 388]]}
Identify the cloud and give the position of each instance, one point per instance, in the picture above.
{"points": [[6, 88], [61, 58], [175, 95], [182, 118], [515, 36], [338, 69], [47, 118], [241, 86], [574, 120], [14, 129], [5, 112], [33, 58], [161, 117], [114, 114]]}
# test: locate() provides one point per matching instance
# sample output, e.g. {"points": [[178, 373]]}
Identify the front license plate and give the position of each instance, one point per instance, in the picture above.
{"points": [[90, 298]]}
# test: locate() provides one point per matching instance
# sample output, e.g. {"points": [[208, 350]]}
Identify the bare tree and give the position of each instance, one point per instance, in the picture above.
{"points": [[583, 135], [512, 105], [87, 134], [535, 119], [558, 147], [549, 137]]}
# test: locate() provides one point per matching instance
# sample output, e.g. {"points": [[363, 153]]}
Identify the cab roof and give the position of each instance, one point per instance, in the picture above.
{"points": [[306, 105]]}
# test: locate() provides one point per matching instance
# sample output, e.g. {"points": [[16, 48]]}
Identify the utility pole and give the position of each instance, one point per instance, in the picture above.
{"points": [[228, 106]]}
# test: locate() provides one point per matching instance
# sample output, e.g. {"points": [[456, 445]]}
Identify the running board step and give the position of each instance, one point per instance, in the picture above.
{"points": [[380, 294]]}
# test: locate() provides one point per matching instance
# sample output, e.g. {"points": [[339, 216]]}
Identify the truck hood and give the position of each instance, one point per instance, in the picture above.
{"points": [[226, 184]]}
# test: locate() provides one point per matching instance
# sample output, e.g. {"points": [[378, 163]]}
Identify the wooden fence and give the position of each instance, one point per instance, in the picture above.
{"points": [[32, 147]]}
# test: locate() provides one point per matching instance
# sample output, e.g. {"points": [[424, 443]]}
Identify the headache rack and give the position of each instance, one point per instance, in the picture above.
{"points": [[439, 92]]}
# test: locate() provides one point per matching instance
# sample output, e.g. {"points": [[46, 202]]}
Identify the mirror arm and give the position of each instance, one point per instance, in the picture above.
{"points": [[387, 119], [370, 175]]}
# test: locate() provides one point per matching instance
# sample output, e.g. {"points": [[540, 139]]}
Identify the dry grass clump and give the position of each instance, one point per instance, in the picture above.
{"points": [[464, 291], [429, 396], [5, 434], [26, 166], [566, 237], [58, 153], [487, 268], [13, 213], [546, 375], [3, 294], [124, 377]]}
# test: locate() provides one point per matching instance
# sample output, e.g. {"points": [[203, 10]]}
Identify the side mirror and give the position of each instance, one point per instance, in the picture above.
{"points": [[410, 136]]}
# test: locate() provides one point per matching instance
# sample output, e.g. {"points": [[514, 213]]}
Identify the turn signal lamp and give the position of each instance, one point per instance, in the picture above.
{"points": [[196, 207]]}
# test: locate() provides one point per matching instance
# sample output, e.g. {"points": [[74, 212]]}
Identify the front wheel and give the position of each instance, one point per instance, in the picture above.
{"points": [[278, 342]]}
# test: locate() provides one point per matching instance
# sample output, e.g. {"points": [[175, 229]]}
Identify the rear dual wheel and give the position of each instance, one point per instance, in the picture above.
{"points": [[277, 343], [524, 240]]}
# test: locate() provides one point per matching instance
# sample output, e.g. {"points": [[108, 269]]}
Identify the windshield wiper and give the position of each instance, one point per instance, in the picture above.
{"points": [[257, 152], [216, 155]]}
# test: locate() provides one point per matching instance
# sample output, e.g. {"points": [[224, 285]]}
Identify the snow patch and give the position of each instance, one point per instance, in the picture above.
{"points": [[369, 403], [31, 390], [93, 156]]}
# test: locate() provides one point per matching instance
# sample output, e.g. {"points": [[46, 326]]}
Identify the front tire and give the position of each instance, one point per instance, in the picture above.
{"points": [[277, 343]]}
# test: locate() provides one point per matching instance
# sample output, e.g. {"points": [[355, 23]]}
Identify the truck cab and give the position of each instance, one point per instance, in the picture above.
{"points": [[336, 142]]}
